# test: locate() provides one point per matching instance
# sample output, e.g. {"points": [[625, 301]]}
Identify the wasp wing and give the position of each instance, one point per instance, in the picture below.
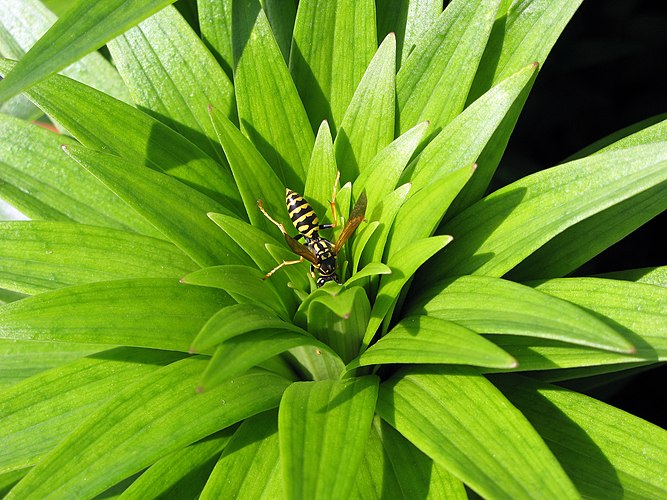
{"points": [[356, 216], [301, 250]]}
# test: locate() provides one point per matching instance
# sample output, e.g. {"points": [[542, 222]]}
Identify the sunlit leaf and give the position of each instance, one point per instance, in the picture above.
{"points": [[323, 427]]}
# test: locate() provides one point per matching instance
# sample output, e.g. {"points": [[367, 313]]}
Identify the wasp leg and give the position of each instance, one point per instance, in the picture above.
{"points": [[278, 224], [284, 263], [332, 203], [312, 271]]}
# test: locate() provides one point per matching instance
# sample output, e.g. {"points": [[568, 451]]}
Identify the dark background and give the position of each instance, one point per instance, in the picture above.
{"points": [[606, 72]]}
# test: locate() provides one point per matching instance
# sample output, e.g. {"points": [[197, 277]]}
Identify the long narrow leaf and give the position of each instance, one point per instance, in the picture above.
{"points": [[434, 80], [334, 40], [605, 451], [250, 465], [215, 23], [368, 123], [58, 400], [271, 114], [63, 191], [121, 437], [494, 450], [84, 28], [158, 313], [637, 310], [323, 427], [26, 21], [545, 204], [426, 340], [39, 256], [161, 61], [128, 132], [178, 211], [492, 305]]}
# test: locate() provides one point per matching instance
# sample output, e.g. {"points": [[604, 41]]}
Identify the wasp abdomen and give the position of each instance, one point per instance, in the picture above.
{"points": [[302, 214]]}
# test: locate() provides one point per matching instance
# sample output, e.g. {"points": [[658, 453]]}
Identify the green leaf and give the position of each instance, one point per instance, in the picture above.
{"points": [[245, 284], [157, 313], [121, 437], [38, 256], [237, 355], [172, 475], [543, 354], [215, 23], [256, 243], [462, 422], [393, 464], [250, 465], [649, 275], [56, 401], [84, 28], [271, 114], [580, 243], [26, 21], [281, 15], [176, 210], [647, 131], [63, 192], [463, 140], [543, 205], [120, 129], [368, 123], [403, 265], [605, 451], [254, 177], [420, 214], [162, 61], [524, 32], [408, 19], [384, 171], [322, 171], [492, 305], [238, 319], [323, 427], [340, 320], [21, 359], [435, 79], [333, 43], [385, 213], [635, 310], [422, 339]]}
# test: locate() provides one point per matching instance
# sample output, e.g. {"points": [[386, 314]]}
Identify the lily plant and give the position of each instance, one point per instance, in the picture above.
{"points": [[143, 352]]}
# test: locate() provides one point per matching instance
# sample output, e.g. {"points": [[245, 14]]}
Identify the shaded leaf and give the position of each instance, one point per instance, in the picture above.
{"points": [[215, 23], [545, 204], [494, 450], [83, 28], [334, 40], [605, 451], [250, 465], [162, 60], [127, 132], [176, 210], [322, 171], [271, 114], [56, 401], [64, 191]]}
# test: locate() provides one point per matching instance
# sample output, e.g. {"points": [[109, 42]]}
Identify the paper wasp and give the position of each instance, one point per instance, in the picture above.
{"points": [[320, 252]]}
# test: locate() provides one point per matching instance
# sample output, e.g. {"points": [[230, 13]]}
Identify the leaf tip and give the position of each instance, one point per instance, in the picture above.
{"points": [[65, 148], [199, 389], [536, 65]]}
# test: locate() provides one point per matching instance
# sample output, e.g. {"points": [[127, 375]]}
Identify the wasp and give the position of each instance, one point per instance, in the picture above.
{"points": [[320, 252]]}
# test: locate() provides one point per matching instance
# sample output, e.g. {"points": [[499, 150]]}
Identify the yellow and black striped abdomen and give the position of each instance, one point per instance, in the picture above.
{"points": [[302, 214]]}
